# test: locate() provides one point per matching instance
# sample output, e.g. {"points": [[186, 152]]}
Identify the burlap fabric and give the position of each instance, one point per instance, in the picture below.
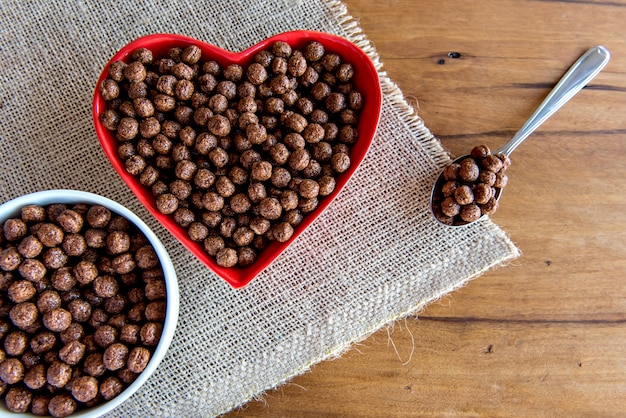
{"points": [[375, 256]]}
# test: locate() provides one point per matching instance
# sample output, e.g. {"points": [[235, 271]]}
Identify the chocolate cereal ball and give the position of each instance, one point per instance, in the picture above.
{"points": [[14, 229], [224, 186], [59, 374], [309, 188], [11, 371], [85, 272], [110, 388], [191, 54], [24, 314], [155, 289], [487, 177], [451, 172], [340, 162], [115, 356], [93, 365], [115, 305], [219, 157], [219, 125], [246, 256], [72, 352], [167, 203], [212, 201], [33, 270], [327, 185], [299, 159], [240, 203], [39, 405], [307, 205], [95, 238], [180, 189], [79, 309], [74, 332], [117, 242], [85, 388], [18, 399], [62, 405], [228, 225], [135, 72], [50, 234], [243, 236], [98, 216], [482, 193], [256, 73], [118, 223], [10, 259], [33, 213], [130, 334], [282, 232], [105, 286], [29, 359], [43, 342], [469, 170], [63, 279], [57, 320], [314, 51], [449, 187], [464, 195], [261, 171], [15, 343], [197, 231], [296, 122], [492, 163], [490, 207], [213, 244], [35, 377], [21, 291], [288, 200], [226, 257], [74, 245], [146, 258], [270, 208], [138, 359], [501, 180], [70, 221]]}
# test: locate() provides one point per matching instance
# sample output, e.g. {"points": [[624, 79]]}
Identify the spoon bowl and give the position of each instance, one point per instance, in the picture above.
{"points": [[577, 77]]}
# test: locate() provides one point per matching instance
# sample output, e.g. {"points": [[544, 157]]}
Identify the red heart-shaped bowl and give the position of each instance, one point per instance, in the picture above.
{"points": [[365, 81]]}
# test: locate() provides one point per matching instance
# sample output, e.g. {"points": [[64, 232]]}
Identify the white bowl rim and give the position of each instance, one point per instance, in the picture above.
{"points": [[47, 197]]}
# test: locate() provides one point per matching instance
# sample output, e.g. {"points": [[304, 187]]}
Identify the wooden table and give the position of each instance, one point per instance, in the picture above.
{"points": [[545, 335]]}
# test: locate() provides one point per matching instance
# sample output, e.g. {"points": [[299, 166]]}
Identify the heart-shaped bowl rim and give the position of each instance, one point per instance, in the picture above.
{"points": [[12, 208], [365, 80]]}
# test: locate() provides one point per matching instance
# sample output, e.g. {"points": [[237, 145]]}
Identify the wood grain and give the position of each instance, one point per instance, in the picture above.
{"points": [[546, 335]]}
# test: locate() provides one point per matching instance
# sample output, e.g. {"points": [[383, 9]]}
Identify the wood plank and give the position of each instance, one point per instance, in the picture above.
{"points": [[450, 372]]}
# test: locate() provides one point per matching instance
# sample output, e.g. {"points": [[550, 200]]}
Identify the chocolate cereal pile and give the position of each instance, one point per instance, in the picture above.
{"points": [[468, 189], [236, 155], [83, 305]]}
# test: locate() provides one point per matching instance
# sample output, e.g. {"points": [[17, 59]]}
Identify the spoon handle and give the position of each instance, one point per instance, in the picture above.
{"points": [[577, 77]]}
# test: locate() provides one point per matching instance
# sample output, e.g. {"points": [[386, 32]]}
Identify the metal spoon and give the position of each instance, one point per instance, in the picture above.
{"points": [[577, 77]]}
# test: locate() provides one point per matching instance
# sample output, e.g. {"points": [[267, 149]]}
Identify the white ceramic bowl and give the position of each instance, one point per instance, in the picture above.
{"points": [[12, 208]]}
